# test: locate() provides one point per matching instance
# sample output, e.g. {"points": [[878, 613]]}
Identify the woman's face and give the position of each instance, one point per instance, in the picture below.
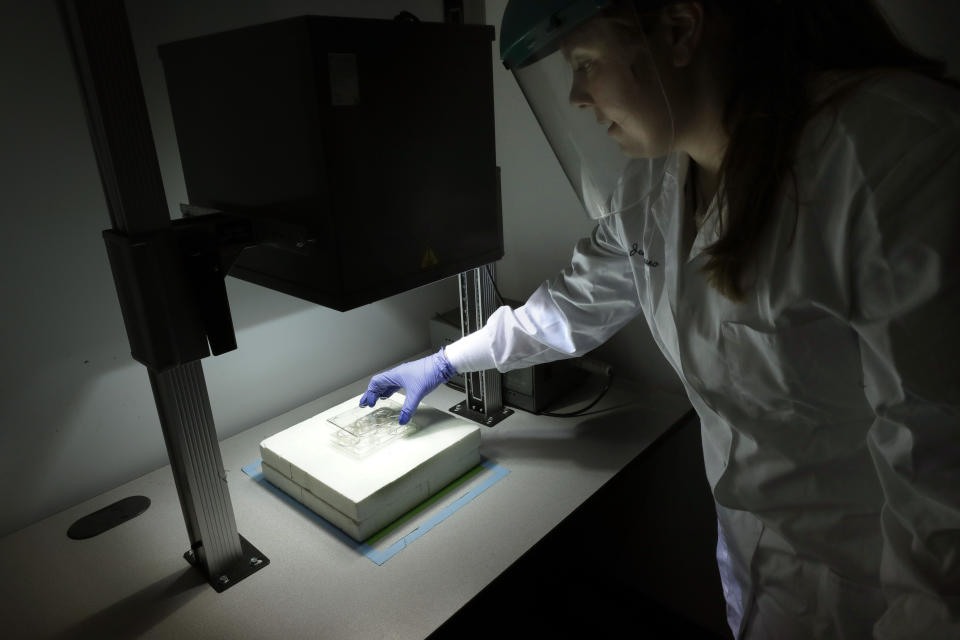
{"points": [[616, 76]]}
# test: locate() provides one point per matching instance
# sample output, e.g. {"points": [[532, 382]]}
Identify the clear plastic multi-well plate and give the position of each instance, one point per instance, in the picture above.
{"points": [[363, 430]]}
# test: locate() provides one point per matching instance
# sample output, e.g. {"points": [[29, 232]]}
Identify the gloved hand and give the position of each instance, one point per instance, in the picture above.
{"points": [[416, 378]]}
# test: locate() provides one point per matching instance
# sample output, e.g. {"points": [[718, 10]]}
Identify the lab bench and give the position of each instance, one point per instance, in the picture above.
{"points": [[132, 580]]}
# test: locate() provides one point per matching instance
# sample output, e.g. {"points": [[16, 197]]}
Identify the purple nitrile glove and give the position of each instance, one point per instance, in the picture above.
{"points": [[417, 378]]}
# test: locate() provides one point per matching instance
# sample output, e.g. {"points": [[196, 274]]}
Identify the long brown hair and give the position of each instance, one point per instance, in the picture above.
{"points": [[774, 47]]}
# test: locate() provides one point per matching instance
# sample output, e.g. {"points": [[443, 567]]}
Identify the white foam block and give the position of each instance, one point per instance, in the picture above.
{"points": [[362, 495]]}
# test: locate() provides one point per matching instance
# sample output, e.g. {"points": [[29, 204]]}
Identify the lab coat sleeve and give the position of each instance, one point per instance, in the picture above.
{"points": [[906, 307], [566, 316]]}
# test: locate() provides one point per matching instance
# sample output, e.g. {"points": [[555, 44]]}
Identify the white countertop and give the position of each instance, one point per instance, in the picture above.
{"points": [[133, 580]]}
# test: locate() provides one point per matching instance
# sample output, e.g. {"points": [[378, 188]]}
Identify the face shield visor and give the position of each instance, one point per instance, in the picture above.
{"points": [[592, 84]]}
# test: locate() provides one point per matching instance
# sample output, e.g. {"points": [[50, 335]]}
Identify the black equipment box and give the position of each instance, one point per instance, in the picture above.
{"points": [[375, 135]]}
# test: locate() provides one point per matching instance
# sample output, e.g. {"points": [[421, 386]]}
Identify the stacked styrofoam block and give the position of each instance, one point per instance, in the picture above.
{"points": [[361, 495]]}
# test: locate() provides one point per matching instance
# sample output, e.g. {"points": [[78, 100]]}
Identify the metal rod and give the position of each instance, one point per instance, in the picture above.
{"points": [[477, 302]]}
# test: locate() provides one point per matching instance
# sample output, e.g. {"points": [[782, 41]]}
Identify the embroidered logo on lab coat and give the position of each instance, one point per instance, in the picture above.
{"points": [[635, 250]]}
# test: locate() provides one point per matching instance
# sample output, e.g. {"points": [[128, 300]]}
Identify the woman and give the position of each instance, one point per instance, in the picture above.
{"points": [[788, 224]]}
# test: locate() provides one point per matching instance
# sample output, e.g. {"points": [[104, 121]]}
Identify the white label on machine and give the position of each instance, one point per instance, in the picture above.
{"points": [[344, 80]]}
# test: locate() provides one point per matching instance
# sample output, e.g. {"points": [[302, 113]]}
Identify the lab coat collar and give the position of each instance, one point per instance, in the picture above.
{"points": [[664, 203]]}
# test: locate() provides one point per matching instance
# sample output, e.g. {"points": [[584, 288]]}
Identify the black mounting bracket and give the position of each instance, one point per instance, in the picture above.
{"points": [[170, 282]]}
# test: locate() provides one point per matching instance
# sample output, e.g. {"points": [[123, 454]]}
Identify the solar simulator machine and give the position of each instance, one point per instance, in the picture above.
{"points": [[338, 160]]}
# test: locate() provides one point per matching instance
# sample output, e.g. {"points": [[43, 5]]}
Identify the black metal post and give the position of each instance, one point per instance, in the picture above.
{"points": [[102, 48]]}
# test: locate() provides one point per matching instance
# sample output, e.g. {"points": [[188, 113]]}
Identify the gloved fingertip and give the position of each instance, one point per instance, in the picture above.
{"points": [[404, 417]]}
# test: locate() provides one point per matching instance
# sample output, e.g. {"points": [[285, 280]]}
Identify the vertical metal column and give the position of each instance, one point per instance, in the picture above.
{"points": [[191, 438], [484, 402], [105, 61], [477, 302]]}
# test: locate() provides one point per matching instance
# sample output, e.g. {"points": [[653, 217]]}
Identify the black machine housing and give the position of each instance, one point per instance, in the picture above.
{"points": [[375, 137]]}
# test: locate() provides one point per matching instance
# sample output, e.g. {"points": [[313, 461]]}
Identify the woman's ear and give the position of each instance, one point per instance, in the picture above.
{"points": [[683, 24]]}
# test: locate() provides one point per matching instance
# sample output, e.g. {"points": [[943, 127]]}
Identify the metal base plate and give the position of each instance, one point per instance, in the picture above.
{"points": [[464, 411], [251, 562]]}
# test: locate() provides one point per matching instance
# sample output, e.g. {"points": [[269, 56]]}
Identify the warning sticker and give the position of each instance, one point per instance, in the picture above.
{"points": [[429, 259]]}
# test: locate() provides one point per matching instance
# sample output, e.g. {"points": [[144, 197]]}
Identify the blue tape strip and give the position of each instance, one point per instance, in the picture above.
{"points": [[380, 556]]}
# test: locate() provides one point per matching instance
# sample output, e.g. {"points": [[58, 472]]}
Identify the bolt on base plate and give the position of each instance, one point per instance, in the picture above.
{"points": [[463, 410], [249, 563]]}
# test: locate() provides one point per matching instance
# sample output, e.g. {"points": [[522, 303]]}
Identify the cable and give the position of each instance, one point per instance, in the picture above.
{"points": [[580, 412], [606, 409], [494, 283]]}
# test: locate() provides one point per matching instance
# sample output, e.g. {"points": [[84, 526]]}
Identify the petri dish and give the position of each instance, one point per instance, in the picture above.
{"points": [[363, 430]]}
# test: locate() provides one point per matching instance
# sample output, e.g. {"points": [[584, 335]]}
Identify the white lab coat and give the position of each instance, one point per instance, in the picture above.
{"points": [[828, 401]]}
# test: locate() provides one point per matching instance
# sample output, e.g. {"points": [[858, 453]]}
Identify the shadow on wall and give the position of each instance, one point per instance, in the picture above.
{"points": [[97, 420]]}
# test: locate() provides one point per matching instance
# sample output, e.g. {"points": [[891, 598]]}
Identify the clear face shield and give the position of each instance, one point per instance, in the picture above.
{"points": [[599, 100]]}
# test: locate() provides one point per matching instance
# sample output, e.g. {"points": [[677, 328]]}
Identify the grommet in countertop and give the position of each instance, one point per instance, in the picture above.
{"points": [[107, 518]]}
